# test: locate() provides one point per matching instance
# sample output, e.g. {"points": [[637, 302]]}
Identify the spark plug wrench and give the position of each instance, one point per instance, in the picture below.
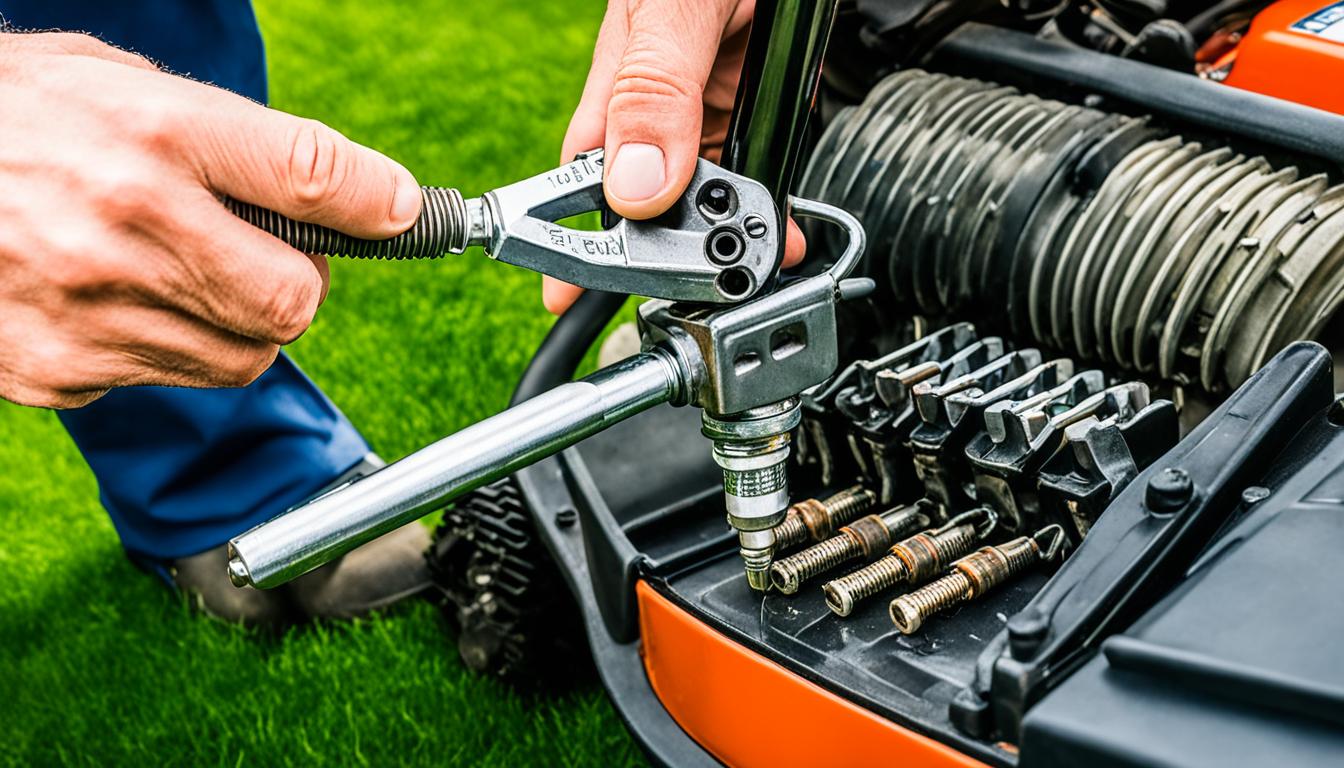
{"points": [[743, 364], [716, 245]]}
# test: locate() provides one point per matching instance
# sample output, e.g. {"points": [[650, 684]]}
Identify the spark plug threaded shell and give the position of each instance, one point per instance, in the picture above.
{"points": [[864, 538], [913, 560], [971, 577], [816, 519]]}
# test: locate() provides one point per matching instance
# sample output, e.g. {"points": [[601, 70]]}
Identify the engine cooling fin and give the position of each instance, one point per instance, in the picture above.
{"points": [[1097, 234]]}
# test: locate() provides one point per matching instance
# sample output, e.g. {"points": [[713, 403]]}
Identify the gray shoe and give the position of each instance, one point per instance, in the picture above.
{"points": [[374, 576], [204, 579], [384, 571]]}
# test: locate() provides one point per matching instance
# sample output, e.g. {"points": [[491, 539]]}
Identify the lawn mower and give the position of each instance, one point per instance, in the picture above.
{"points": [[1036, 461]]}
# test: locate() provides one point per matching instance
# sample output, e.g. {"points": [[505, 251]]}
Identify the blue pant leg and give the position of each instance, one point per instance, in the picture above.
{"points": [[183, 470]]}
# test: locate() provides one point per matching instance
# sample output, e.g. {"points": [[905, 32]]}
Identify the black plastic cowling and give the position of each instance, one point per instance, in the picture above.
{"points": [[1239, 663], [1148, 537]]}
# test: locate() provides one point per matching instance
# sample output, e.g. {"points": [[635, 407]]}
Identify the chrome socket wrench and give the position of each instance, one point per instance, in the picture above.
{"points": [[723, 360]]}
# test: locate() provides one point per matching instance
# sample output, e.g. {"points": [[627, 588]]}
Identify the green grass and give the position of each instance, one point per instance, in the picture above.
{"points": [[101, 665]]}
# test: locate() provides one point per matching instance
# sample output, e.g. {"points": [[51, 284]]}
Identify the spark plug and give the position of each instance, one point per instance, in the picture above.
{"points": [[816, 520], [974, 575], [864, 538], [911, 561], [752, 449]]}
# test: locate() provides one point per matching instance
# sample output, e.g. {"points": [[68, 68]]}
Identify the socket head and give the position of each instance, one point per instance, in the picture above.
{"points": [[840, 601], [906, 616], [238, 574], [785, 579]]}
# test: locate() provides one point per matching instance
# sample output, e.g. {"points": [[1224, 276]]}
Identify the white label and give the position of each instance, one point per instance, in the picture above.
{"points": [[1327, 23]]}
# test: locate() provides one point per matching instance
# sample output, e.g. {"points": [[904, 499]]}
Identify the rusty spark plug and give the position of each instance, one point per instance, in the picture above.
{"points": [[974, 575], [816, 520], [912, 561], [865, 538]]}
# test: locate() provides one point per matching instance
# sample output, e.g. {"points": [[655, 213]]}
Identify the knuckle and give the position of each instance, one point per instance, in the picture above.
{"points": [[155, 124], [69, 276], [46, 370], [124, 192], [242, 369], [77, 263], [313, 167], [290, 308], [642, 81]]}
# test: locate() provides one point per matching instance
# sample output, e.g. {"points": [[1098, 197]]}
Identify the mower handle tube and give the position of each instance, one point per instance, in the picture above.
{"points": [[330, 525]]}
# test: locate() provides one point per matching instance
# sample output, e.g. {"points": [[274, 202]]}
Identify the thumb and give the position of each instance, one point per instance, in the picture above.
{"points": [[657, 103], [299, 168]]}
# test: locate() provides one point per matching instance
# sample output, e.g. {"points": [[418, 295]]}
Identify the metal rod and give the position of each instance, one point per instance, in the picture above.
{"points": [[776, 92], [331, 525]]}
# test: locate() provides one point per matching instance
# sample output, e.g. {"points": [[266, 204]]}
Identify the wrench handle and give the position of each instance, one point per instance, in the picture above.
{"points": [[332, 524], [444, 226]]}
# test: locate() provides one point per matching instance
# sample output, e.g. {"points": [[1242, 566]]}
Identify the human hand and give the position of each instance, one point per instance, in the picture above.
{"points": [[659, 95], [118, 264]]}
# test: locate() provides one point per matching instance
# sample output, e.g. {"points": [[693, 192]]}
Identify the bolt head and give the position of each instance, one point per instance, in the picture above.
{"points": [[905, 616], [841, 602], [1168, 491], [755, 226], [1026, 631], [565, 517], [1254, 495], [785, 580]]}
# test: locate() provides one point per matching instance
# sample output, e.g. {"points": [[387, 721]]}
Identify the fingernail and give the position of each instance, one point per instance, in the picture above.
{"points": [[406, 201], [637, 173]]}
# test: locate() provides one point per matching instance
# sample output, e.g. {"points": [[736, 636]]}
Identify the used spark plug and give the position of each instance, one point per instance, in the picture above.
{"points": [[974, 575], [912, 561], [816, 519], [864, 538]]}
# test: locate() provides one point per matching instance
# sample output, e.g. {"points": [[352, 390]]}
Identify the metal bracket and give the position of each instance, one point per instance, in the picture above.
{"points": [[717, 244]]}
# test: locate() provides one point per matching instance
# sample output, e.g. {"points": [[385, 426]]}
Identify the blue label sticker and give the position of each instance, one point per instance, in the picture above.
{"points": [[1327, 23]]}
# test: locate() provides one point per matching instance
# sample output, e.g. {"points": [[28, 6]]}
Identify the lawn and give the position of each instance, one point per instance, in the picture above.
{"points": [[101, 665]]}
